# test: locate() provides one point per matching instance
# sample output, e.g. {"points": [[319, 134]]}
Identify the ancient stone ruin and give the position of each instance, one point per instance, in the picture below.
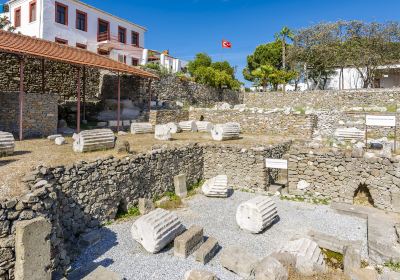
{"points": [[7, 144], [216, 187], [94, 140]]}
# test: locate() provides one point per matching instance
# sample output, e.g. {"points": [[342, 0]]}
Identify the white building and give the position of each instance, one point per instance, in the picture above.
{"points": [[80, 25]]}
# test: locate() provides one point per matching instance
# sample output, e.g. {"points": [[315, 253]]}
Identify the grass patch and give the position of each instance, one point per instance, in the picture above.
{"points": [[320, 201], [333, 259], [300, 109], [296, 198], [192, 189], [392, 108], [132, 212], [395, 266], [173, 201]]}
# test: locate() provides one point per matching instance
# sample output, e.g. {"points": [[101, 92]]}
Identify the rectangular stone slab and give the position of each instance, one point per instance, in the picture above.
{"points": [[188, 242], [207, 250]]}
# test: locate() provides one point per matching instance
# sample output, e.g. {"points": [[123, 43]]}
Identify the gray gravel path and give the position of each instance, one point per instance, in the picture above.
{"points": [[121, 254]]}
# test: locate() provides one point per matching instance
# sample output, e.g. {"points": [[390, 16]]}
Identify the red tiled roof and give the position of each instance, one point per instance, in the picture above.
{"points": [[25, 45]]}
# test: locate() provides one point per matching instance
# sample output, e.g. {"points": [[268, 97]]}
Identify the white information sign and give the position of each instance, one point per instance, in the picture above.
{"points": [[373, 120], [276, 163]]}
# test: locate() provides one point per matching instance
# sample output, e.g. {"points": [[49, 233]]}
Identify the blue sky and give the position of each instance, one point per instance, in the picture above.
{"points": [[186, 27]]}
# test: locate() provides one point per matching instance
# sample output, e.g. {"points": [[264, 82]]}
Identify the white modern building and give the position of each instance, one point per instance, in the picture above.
{"points": [[80, 25]]}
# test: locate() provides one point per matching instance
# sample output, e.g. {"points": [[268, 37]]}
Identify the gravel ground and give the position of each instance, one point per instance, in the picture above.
{"points": [[121, 254]]}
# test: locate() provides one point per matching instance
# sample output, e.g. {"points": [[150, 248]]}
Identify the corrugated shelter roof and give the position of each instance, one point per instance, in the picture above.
{"points": [[25, 45]]}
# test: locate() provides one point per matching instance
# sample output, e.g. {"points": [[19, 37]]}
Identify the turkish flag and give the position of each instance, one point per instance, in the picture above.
{"points": [[226, 44]]}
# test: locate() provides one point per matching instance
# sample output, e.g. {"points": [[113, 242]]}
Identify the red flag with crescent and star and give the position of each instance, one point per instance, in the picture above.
{"points": [[226, 44]]}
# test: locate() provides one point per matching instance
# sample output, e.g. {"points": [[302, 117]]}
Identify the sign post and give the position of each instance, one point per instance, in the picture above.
{"points": [[381, 121], [278, 164]]}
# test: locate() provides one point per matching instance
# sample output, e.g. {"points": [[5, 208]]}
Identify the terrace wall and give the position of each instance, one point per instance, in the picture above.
{"points": [[40, 115], [327, 99], [274, 123]]}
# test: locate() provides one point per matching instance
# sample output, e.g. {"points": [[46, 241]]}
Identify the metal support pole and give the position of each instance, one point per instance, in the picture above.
{"points": [[119, 102], [43, 78], [149, 89], [21, 97], [287, 178], [395, 137], [84, 93], [78, 106]]}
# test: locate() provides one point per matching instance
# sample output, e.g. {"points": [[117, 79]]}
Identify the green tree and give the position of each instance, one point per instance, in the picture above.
{"points": [[267, 54], [5, 24], [268, 75], [201, 60], [224, 66], [282, 36]]}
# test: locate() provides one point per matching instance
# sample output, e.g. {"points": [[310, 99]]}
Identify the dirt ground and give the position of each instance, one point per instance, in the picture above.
{"points": [[31, 153]]}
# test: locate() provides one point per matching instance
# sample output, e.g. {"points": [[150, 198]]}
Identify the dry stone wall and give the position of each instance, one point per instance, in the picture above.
{"points": [[244, 167], [166, 116], [260, 121], [40, 114], [80, 198], [338, 174], [326, 99]]}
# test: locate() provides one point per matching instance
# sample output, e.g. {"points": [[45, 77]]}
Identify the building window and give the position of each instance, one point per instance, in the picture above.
{"points": [[103, 52], [135, 62], [122, 58], [32, 11], [122, 34], [17, 17], [61, 13], [103, 30], [61, 41], [135, 38], [81, 20], [81, 46]]}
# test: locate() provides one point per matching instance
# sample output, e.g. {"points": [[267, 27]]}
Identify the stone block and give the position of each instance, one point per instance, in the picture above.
{"points": [[364, 274], [60, 141], [303, 254], [203, 126], [239, 261], [188, 126], [32, 250], [207, 251], [180, 185], [270, 269], [351, 260], [141, 128], [188, 242], [197, 274], [94, 140], [162, 133], [90, 238], [331, 242], [53, 137], [145, 206], [126, 123], [174, 127], [7, 144], [256, 214], [101, 273], [228, 131], [216, 187], [390, 275], [157, 229]]}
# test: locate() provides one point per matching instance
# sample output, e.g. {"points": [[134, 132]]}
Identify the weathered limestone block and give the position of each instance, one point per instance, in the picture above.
{"points": [[101, 273], [188, 126], [207, 250], [53, 137], [303, 254], [196, 274], [239, 261], [145, 206], [162, 133], [59, 141], [270, 269], [157, 229], [174, 127], [216, 187], [180, 185], [188, 242], [228, 131], [141, 128], [351, 260], [32, 250], [94, 140], [7, 144], [203, 126], [256, 214]]}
